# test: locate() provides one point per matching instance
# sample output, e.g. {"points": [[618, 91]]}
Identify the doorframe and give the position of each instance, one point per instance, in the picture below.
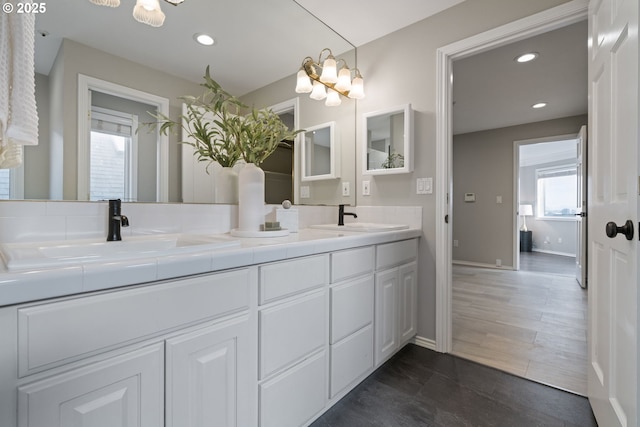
{"points": [[542, 22]]}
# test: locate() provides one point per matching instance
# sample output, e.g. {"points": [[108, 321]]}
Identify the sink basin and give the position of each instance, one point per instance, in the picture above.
{"points": [[19, 256], [367, 227]]}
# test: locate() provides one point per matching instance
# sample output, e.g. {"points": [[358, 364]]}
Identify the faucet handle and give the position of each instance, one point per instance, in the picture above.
{"points": [[124, 221]]}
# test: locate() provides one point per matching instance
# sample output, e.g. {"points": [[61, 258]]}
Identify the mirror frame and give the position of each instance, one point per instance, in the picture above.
{"points": [[334, 159], [407, 140]]}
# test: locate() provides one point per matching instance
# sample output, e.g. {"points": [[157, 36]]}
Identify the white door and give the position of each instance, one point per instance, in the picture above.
{"points": [[613, 197], [581, 208]]}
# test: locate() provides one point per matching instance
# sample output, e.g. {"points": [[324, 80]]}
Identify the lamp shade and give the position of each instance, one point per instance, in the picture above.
{"points": [[357, 88], [148, 12], [333, 98], [304, 82], [526, 210], [319, 91], [344, 80], [329, 70], [109, 3]]}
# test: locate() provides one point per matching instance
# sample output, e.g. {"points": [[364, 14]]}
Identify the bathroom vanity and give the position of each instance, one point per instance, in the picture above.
{"points": [[272, 332]]}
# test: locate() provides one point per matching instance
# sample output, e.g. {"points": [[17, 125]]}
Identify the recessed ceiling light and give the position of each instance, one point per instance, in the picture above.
{"points": [[526, 57], [539, 105], [204, 39]]}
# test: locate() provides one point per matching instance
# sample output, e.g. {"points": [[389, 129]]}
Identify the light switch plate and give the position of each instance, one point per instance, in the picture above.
{"points": [[346, 191], [424, 185], [304, 192], [366, 188]]}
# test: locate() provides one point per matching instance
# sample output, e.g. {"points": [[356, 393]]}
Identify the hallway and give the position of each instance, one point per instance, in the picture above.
{"points": [[527, 323]]}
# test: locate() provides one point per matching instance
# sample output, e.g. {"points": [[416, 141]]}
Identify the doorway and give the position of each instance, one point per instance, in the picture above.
{"points": [[555, 18]]}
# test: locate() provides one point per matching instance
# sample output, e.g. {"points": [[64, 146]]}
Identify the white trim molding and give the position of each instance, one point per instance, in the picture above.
{"points": [[87, 84], [424, 342], [545, 21]]}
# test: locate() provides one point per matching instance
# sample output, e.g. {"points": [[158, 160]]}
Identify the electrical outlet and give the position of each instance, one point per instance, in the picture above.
{"points": [[346, 191], [366, 188], [455, 243], [304, 192]]}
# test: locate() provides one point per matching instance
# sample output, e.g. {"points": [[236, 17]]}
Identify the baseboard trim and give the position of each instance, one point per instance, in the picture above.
{"points": [[542, 251], [480, 264], [424, 342]]}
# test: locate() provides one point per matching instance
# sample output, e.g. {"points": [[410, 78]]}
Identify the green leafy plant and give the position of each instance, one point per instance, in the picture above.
{"points": [[394, 160], [219, 130]]}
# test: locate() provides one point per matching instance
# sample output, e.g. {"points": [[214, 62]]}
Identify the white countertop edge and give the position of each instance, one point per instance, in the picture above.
{"points": [[32, 285]]}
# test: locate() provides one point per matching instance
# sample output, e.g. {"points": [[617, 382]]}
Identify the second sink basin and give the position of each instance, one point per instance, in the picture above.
{"points": [[18, 256], [367, 227]]}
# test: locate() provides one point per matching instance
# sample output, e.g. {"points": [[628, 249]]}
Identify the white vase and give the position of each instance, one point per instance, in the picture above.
{"points": [[251, 206], [226, 186]]}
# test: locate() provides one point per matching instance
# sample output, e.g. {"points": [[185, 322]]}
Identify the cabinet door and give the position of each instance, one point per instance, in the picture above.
{"points": [[211, 376], [386, 324], [125, 391], [407, 299]]}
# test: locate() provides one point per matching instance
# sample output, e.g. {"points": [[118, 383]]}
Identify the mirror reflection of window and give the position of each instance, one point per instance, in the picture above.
{"points": [[5, 184], [113, 153]]}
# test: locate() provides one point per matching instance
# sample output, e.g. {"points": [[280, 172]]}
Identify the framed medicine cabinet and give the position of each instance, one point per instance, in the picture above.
{"points": [[388, 141], [319, 154]]}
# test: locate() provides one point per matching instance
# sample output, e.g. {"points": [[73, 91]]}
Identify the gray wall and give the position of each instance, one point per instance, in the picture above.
{"points": [[483, 164], [36, 157], [401, 68]]}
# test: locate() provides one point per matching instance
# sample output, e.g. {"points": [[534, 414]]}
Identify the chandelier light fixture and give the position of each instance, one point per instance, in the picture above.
{"points": [[145, 11], [326, 82]]}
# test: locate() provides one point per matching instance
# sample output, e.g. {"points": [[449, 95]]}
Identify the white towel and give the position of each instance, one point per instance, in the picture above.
{"points": [[18, 112]]}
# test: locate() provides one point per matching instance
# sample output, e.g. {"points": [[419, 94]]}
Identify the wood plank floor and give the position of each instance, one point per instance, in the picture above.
{"points": [[530, 324]]}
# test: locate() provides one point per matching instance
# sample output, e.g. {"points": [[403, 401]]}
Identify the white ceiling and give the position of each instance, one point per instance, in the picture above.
{"points": [[259, 42]]}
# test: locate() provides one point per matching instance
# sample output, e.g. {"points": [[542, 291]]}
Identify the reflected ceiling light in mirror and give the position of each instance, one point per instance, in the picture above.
{"points": [[145, 11], [204, 39], [327, 81], [527, 57]]}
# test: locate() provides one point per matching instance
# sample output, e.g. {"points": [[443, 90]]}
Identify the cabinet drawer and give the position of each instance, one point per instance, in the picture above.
{"points": [[351, 263], [293, 398], [290, 331], [351, 307], [290, 277], [351, 358], [60, 332], [396, 253]]}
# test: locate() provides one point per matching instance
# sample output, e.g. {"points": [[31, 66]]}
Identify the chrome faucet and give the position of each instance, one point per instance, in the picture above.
{"points": [[342, 213], [116, 220]]}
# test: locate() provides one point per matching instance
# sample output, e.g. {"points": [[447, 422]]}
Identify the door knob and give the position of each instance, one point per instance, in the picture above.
{"points": [[612, 229]]}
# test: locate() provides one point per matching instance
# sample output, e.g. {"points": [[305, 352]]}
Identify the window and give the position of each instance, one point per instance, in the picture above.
{"points": [[556, 189], [5, 183], [113, 155]]}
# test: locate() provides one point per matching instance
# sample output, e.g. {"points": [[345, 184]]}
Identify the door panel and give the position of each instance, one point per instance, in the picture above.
{"points": [[613, 181]]}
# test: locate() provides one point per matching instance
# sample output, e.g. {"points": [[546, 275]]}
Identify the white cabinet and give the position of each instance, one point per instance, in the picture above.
{"points": [[293, 341], [208, 381], [99, 360], [396, 298], [123, 391]]}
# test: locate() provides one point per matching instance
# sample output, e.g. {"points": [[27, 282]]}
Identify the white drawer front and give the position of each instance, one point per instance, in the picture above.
{"points": [[293, 398], [351, 306], [351, 358], [290, 277], [60, 332], [396, 253], [351, 263], [290, 331]]}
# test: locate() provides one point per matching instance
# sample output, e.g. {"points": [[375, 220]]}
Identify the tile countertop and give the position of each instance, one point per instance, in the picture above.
{"points": [[32, 285]]}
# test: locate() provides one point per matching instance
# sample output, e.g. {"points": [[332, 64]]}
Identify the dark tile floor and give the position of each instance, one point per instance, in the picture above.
{"points": [[420, 387]]}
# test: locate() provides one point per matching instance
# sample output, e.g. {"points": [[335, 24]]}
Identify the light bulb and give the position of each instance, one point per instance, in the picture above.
{"points": [[357, 88], [148, 12]]}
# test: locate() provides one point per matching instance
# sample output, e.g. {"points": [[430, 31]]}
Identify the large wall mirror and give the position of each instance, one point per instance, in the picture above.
{"points": [[388, 141], [261, 70]]}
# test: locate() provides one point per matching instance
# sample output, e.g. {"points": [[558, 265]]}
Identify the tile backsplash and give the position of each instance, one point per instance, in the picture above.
{"points": [[31, 221]]}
